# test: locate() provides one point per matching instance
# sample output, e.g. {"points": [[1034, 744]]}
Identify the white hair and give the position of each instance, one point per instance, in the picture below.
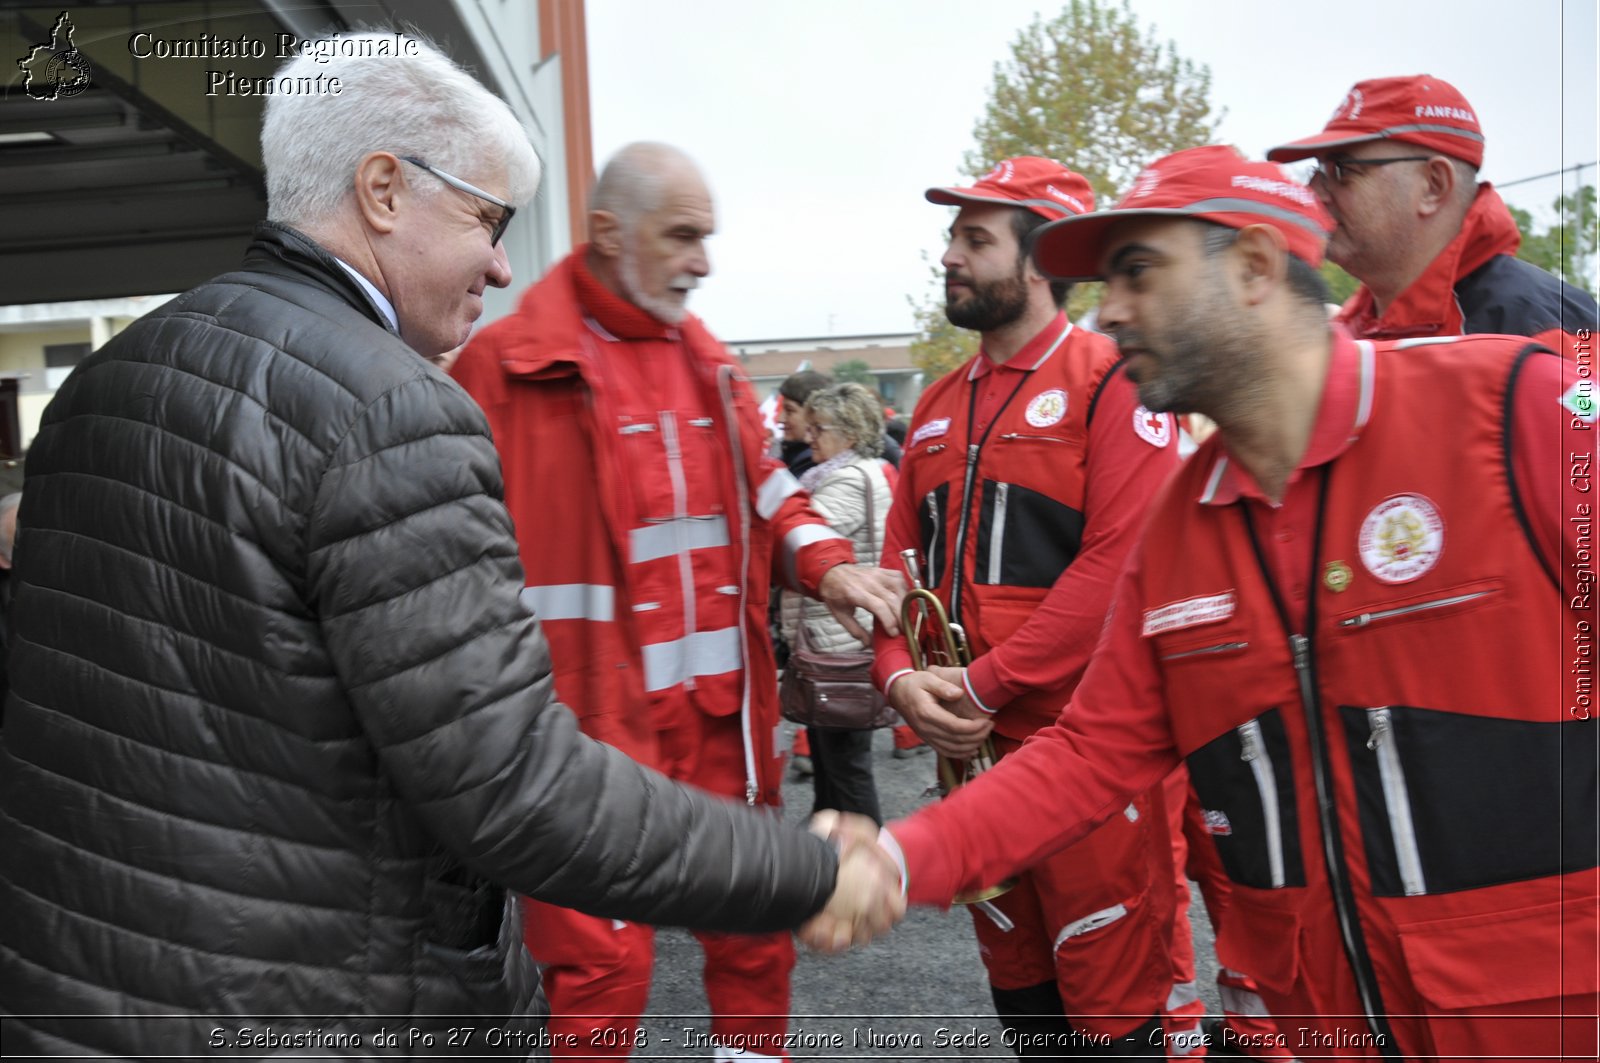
{"points": [[632, 182], [420, 103]]}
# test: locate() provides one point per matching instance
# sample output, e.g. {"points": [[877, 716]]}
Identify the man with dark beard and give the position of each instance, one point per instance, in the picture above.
{"points": [[1348, 614], [1025, 477]]}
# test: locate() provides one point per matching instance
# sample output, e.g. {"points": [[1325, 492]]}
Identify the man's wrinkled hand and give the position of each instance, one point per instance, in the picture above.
{"points": [[924, 700], [846, 588], [866, 899]]}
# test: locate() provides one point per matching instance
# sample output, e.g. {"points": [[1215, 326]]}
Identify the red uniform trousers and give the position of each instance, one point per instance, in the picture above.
{"points": [[1182, 1017], [1095, 918], [597, 971], [1247, 1026]]}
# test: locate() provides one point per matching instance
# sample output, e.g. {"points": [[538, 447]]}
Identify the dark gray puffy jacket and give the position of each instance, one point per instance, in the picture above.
{"points": [[277, 720]]}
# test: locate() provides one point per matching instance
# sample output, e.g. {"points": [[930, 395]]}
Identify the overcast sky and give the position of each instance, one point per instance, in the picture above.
{"points": [[820, 123]]}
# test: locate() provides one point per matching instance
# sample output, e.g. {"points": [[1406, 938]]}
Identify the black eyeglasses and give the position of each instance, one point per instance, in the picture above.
{"points": [[508, 211], [1337, 168]]}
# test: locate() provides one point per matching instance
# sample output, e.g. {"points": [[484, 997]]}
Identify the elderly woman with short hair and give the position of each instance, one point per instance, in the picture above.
{"points": [[844, 425]]}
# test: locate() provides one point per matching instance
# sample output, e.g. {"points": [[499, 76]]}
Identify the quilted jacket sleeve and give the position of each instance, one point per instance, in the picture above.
{"points": [[413, 568]]}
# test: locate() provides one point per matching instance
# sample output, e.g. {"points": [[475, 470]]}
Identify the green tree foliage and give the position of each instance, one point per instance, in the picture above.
{"points": [[1341, 285], [854, 371], [1560, 248], [1095, 90]]}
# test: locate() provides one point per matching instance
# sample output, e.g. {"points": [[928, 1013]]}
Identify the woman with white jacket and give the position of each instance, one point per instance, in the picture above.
{"points": [[844, 425]]}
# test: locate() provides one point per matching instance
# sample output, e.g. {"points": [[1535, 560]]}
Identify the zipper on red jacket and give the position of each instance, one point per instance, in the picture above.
{"points": [[1344, 902], [680, 512], [741, 562], [974, 450]]}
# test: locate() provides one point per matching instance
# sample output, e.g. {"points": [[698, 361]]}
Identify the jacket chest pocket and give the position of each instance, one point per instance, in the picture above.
{"points": [[1214, 668], [1435, 605], [1025, 538], [1452, 802], [672, 465], [1245, 781], [933, 531]]}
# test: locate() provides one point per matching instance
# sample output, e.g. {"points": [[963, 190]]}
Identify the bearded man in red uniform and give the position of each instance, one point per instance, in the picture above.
{"points": [[1025, 477], [1353, 614], [651, 524]]}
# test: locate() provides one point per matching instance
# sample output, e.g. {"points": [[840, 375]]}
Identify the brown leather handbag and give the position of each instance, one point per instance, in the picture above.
{"points": [[834, 690]]}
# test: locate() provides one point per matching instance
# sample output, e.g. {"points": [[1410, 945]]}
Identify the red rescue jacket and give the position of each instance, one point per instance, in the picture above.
{"points": [[1458, 809], [568, 468], [1012, 506], [1477, 285]]}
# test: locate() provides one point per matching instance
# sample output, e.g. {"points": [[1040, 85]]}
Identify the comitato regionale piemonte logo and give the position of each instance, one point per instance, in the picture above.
{"points": [[55, 70]]}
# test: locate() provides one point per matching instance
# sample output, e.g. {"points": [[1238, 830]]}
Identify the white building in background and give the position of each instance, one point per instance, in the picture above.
{"points": [[887, 357], [144, 183], [41, 342]]}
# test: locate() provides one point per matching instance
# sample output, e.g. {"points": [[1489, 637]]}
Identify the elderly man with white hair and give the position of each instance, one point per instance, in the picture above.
{"points": [[652, 523], [281, 731]]}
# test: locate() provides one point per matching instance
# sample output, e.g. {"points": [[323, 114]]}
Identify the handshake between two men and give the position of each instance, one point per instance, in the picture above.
{"points": [[868, 894]]}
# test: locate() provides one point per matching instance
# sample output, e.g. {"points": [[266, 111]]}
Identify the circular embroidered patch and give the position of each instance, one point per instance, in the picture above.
{"points": [[1153, 428], [1047, 408], [1402, 538]]}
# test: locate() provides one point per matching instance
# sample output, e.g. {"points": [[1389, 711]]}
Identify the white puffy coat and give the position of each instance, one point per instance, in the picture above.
{"points": [[842, 501]]}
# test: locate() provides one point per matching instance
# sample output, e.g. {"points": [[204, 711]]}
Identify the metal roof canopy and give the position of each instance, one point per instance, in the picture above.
{"points": [[140, 182]]}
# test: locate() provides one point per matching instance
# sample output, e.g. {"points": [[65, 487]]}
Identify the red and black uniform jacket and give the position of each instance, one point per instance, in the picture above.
{"points": [[1040, 503], [1386, 706]]}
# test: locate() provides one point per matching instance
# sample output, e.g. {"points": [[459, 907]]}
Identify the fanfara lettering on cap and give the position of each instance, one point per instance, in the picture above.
{"points": [[1436, 111], [1068, 198], [1287, 189], [1355, 100], [1146, 183]]}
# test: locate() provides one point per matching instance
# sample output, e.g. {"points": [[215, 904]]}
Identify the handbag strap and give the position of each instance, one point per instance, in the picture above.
{"points": [[872, 516]]}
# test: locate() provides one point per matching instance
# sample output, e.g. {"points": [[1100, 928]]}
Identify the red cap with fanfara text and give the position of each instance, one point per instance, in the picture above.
{"points": [[1420, 110], [1043, 186], [1215, 184]]}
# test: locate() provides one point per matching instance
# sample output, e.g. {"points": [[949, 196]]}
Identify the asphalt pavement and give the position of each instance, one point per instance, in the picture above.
{"points": [[919, 994]]}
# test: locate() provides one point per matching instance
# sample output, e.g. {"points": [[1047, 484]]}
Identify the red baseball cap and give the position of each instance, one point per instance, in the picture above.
{"points": [[1420, 110], [1215, 184], [1043, 186]]}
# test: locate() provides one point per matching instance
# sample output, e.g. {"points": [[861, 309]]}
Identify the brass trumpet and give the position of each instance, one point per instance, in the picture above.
{"points": [[933, 639]]}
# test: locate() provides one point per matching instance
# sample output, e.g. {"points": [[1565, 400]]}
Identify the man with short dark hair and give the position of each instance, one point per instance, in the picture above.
{"points": [[1433, 248], [1351, 614], [617, 411], [1025, 476]]}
